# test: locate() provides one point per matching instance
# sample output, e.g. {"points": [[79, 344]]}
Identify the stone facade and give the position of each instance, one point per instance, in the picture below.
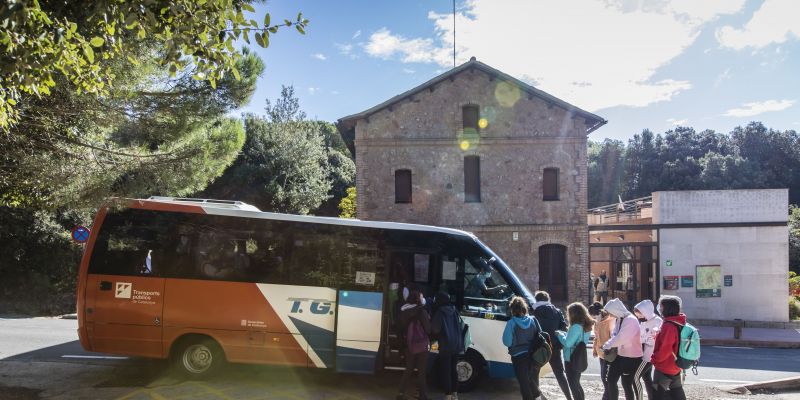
{"points": [[526, 133]]}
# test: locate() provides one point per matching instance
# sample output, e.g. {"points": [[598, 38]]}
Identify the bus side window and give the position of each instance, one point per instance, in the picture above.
{"points": [[132, 242]]}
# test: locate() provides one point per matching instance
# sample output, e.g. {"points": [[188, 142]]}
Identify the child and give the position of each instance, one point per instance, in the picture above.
{"points": [[574, 342], [649, 325], [602, 332]]}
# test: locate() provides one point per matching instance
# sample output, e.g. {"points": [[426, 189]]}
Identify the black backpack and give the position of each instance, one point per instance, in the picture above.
{"points": [[541, 349]]}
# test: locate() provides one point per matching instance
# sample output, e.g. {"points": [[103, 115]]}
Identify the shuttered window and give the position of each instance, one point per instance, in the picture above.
{"points": [[402, 186], [471, 115], [472, 179], [550, 184]]}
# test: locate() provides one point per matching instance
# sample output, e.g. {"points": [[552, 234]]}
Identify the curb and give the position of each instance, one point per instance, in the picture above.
{"points": [[779, 385], [750, 343], [69, 316]]}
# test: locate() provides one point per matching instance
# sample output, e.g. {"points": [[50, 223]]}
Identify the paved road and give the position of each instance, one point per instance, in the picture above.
{"points": [[43, 355]]}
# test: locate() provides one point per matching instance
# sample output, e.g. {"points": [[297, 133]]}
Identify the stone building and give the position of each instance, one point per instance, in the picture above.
{"points": [[479, 150]]}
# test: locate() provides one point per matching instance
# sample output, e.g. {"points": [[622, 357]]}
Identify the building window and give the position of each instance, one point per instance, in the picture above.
{"points": [[472, 179], [402, 186], [471, 115], [553, 270], [550, 184]]}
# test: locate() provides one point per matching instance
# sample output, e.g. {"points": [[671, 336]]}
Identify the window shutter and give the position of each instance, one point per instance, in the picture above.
{"points": [[402, 186], [472, 179], [471, 115], [550, 184]]}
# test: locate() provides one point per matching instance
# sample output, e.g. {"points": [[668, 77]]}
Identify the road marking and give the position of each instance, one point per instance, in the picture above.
{"points": [[96, 357], [733, 347], [724, 381]]}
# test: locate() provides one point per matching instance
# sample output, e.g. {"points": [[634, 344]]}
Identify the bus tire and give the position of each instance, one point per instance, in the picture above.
{"points": [[470, 369], [197, 357]]}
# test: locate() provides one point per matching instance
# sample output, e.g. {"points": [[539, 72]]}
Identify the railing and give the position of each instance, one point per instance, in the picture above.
{"points": [[621, 212]]}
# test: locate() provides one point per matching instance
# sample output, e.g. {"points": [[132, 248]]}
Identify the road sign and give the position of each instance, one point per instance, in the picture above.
{"points": [[80, 234], [669, 263]]}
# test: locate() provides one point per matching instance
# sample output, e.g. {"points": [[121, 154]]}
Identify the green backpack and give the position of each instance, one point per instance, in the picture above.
{"points": [[689, 347]]}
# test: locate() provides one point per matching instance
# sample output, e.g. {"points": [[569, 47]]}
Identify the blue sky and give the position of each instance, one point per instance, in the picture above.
{"points": [[640, 64]]}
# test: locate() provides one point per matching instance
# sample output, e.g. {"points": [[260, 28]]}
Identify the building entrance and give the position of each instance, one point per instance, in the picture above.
{"points": [[631, 270]]}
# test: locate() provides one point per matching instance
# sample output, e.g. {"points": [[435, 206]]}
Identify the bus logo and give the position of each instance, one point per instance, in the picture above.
{"points": [[317, 306], [123, 290]]}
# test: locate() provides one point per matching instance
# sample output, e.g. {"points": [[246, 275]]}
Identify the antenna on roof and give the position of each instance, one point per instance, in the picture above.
{"points": [[454, 33]]}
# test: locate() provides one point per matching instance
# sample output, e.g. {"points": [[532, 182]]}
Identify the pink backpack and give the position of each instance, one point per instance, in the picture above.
{"points": [[416, 339]]}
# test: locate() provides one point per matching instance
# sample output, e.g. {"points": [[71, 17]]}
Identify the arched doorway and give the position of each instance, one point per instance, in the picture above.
{"points": [[553, 271]]}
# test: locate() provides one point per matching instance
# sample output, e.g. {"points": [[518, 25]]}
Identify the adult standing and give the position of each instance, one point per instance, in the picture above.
{"points": [[552, 320], [415, 327], [518, 334], [574, 342], [668, 376], [649, 325], [601, 290], [445, 329], [625, 338]]}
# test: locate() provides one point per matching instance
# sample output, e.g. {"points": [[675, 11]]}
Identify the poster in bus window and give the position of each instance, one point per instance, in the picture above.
{"points": [[448, 270], [709, 281], [421, 266]]}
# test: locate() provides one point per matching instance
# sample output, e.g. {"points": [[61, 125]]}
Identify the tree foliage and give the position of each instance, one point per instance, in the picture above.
{"points": [[794, 241], [286, 107], [150, 134], [82, 40], [347, 207], [752, 157]]}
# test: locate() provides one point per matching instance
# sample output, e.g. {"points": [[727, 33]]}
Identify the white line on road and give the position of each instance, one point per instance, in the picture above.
{"points": [[96, 357], [733, 347], [724, 381]]}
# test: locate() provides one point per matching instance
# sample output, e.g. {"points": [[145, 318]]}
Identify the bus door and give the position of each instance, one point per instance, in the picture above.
{"points": [[124, 313], [407, 269], [125, 284], [358, 330]]}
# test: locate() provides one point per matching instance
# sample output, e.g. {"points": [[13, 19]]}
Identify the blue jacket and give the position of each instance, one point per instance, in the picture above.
{"points": [[518, 340], [571, 339]]}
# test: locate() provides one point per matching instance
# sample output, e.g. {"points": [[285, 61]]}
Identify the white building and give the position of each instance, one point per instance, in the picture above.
{"points": [[724, 252]]}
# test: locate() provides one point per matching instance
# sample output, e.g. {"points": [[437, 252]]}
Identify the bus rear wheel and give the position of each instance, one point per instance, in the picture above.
{"points": [[198, 358]]}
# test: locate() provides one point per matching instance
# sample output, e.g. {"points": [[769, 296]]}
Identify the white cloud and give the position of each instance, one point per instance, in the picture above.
{"points": [[357, 34], [759, 107], [408, 71], [346, 49], [594, 53], [775, 22], [678, 122], [319, 56], [313, 90], [722, 77]]}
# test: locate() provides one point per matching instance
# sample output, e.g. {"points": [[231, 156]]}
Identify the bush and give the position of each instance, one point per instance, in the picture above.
{"points": [[38, 264], [794, 308]]}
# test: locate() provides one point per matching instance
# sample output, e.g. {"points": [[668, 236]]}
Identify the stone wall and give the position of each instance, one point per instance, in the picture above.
{"points": [[525, 134]]}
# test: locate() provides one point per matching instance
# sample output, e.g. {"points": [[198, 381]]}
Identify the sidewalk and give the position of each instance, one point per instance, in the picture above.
{"points": [[751, 337]]}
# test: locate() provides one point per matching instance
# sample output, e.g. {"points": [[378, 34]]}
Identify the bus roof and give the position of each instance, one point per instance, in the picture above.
{"points": [[240, 209]]}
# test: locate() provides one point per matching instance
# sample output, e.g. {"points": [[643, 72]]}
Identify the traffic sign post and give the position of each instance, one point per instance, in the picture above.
{"points": [[80, 234]]}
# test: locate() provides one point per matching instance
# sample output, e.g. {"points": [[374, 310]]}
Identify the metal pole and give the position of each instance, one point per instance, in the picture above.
{"points": [[454, 33]]}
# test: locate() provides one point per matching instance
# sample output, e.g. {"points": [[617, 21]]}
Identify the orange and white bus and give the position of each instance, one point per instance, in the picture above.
{"points": [[202, 282]]}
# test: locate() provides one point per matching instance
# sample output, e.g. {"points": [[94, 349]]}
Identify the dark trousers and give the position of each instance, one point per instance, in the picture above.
{"points": [[668, 387], [527, 376], [558, 370], [625, 368], [574, 380], [447, 372], [418, 362], [604, 377], [644, 377]]}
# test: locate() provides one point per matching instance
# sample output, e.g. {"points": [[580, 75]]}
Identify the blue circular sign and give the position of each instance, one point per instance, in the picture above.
{"points": [[80, 234]]}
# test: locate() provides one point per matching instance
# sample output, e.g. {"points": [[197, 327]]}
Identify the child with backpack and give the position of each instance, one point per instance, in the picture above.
{"points": [[552, 319], [574, 343], [677, 347], [625, 338], [446, 329], [649, 325], [415, 327], [602, 332], [520, 332]]}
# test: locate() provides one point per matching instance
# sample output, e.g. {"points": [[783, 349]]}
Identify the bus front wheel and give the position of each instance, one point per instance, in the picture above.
{"points": [[469, 370], [198, 358]]}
